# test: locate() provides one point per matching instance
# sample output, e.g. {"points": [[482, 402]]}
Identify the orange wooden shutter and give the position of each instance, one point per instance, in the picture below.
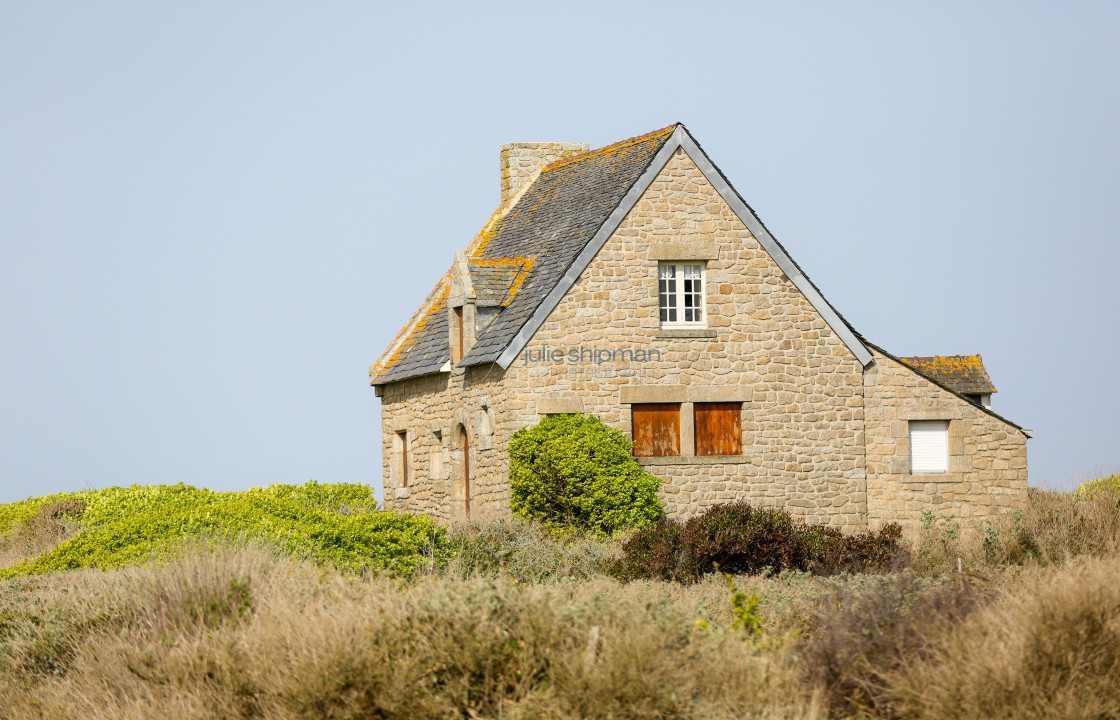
{"points": [[719, 430], [657, 429]]}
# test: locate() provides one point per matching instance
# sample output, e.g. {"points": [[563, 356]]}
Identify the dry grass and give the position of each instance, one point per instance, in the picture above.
{"points": [[54, 523], [1052, 528], [1048, 647], [1030, 629], [246, 634]]}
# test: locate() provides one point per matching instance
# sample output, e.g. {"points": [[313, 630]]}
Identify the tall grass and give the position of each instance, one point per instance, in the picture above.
{"points": [[1021, 619]]}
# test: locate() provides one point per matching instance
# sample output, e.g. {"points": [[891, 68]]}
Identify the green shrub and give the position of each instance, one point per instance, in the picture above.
{"points": [[334, 524], [574, 473], [742, 539], [1110, 484]]}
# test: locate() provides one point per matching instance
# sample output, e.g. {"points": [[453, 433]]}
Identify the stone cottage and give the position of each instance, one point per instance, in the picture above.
{"points": [[633, 282]]}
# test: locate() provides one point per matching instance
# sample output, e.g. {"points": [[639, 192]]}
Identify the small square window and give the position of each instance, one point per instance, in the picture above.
{"points": [[929, 446], [718, 428], [680, 294], [657, 429]]}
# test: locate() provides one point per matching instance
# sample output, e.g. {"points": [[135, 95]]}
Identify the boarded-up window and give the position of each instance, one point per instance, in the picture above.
{"points": [[719, 430], [657, 429], [929, 446]]}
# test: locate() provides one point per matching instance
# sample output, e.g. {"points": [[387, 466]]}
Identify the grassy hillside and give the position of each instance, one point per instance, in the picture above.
{"points": [[1019, 619], [334, 524]]}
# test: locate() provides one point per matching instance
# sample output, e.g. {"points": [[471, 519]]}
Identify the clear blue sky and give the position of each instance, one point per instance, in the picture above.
{"points": [[214, 216]]}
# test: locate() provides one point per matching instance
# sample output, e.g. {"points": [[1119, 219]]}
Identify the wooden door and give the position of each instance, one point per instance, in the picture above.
{"points": [[657, 429]]}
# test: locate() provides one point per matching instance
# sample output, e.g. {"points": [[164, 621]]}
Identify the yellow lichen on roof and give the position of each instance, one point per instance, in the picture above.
{"points": [[954, 369], [440, 303], [948, 363], [485, 235], [524, 265], [519, 279], [609, 150]]}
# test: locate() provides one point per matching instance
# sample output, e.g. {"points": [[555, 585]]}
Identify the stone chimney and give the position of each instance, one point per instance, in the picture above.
{"points": [[521, 161]]}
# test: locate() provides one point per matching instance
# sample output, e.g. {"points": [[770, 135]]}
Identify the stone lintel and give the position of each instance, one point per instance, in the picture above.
{"points": [[931, 414], [720, 393], [684, 251], [630, 394], [559, 405]]}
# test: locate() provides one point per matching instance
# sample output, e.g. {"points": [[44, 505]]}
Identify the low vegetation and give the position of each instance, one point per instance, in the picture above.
{"points": [[502, 619], [332, 524], [738, 538]]}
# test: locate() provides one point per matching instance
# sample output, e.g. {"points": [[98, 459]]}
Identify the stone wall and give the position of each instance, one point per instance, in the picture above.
{"points": [[815, 426], [802, 421], [987, 456]]}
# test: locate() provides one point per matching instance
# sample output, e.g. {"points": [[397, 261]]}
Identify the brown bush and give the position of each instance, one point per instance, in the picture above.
{"points": [[739, 538]]}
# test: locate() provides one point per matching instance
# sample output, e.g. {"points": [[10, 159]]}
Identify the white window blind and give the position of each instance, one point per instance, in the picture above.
{"points": [[929, 446]]}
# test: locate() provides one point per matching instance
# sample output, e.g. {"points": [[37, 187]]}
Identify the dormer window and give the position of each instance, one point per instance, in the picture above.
{"points": [[680, 294]]}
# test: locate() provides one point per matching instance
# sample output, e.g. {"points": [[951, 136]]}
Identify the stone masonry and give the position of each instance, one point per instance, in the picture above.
{"points": [[823, 436]]}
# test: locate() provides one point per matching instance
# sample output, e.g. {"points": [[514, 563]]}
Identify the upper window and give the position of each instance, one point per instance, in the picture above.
{"points": [[657, 429], [680, 294], [929, 446], [718, 428]]}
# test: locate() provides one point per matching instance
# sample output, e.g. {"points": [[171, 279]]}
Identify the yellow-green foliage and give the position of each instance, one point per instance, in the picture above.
{"points": [[1106, 484], [335, 524]]}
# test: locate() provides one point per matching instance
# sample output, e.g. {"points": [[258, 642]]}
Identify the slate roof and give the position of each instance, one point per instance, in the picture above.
{"points": [[964, 374], [497, 280], [550, 224]]}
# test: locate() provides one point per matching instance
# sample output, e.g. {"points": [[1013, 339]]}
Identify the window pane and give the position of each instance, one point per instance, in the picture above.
{"points": [[719, 429], [657, 429], [667, 292]]}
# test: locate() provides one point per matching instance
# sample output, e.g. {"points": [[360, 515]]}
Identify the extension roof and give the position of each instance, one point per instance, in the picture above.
{"points": [[964, 374], [559, 223]]}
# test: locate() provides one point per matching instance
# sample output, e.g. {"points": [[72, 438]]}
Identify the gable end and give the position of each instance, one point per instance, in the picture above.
{"points": [[682, 139]]}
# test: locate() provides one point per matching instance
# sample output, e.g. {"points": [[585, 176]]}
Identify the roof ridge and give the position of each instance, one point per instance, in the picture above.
{"points": [[608, 149]]}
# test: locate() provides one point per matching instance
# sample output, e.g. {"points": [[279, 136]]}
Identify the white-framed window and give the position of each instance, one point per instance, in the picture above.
{"points": [[929, 446], [680, 294]]}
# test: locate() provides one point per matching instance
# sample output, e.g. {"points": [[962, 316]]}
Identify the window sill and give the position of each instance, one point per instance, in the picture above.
{"points": [[685, 333], [400, 493], [695, 460]]}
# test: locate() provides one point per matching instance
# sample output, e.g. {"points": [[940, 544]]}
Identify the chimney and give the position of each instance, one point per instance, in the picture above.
{"points": [[521, 161]]}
